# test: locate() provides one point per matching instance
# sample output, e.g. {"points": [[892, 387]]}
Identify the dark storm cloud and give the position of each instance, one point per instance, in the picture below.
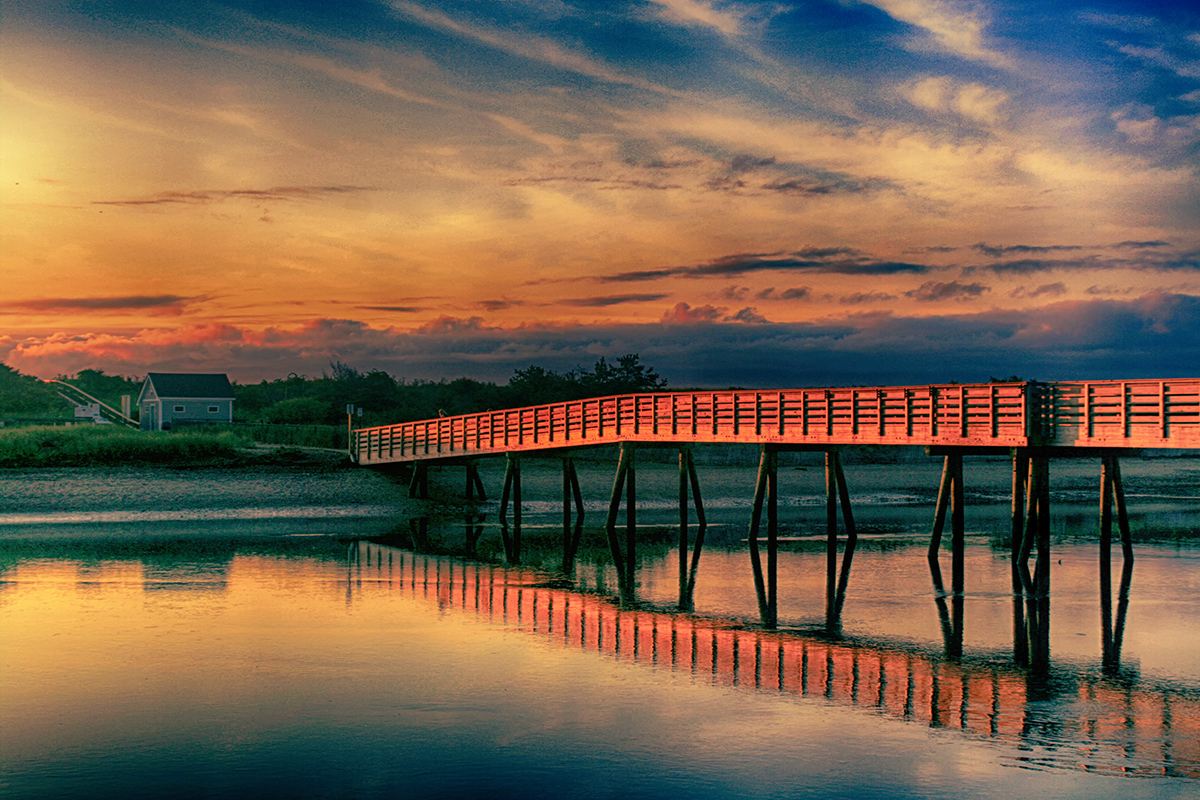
{"points": [[838, 261], [748, 314], [951, 290], [612, 300], [1029, 266], [393, 309], [499, 305], [748, 163], [998, 251], [170, 302], [207, 196], [1186, 261], [1153, 336], [794, 293], [1046, 289], [859, 298]]}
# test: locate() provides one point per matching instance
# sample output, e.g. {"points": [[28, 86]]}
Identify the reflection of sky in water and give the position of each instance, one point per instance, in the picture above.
{"points": [[310, 677], [223, 672], [195, 515]]}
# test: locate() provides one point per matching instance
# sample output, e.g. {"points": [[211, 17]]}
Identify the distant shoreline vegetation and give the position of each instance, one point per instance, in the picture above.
{"points": [[43, 447], [300, 400]]}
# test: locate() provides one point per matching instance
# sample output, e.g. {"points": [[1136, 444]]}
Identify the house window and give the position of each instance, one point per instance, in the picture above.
{"points": [[213, 409], [178, 409]]}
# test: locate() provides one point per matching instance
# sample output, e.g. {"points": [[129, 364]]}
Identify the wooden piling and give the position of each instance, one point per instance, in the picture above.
{"points": [[614, 506], [851, 536], [1020, 474], [701, 527], [831, 545], [631, 517], [760, 490]]}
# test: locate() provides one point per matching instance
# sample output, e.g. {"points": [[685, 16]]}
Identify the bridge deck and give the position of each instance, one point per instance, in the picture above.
{"points": [[1110, 414]]}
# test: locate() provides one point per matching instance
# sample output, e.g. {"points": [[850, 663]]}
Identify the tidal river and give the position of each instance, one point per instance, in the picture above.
{"points": [[291, 634]]}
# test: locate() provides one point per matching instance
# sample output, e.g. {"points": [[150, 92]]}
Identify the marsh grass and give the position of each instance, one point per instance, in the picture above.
{"points": [[109, 445]]}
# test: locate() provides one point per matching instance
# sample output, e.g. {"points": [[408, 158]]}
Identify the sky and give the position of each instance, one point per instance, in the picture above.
{"points": [[766, 195]]}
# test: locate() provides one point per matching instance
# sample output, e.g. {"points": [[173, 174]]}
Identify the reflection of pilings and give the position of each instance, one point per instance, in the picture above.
{"points": [[474, 530], [1114, 728], [687, 573]]}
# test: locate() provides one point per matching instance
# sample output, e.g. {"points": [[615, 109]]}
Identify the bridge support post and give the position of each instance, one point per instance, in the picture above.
{"points": [[1020, 472], [1112, 492], [1036, 587], [836, 579], [571, 536], [765, 489], [950, 496], [687, 574], [625, 480], [474, 482], [512, 487], [419, 485]]}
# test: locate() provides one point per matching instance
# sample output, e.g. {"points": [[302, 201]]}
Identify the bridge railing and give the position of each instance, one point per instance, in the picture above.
{"points": [[1144, 413], [961, 414], [1160, 414]]}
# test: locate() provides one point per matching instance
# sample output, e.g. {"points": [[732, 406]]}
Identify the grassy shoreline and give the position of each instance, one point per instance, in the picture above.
{"points": [[108, 445]]}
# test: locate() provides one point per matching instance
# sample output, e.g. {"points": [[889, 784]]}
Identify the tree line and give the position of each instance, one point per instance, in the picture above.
{"points": [[302, 400]]}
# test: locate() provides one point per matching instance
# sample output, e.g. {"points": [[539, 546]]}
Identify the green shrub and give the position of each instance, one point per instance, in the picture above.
{"points": [[103, 445]]}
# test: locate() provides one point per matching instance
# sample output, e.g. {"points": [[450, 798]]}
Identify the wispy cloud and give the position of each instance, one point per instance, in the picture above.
{"points": [[199, 197], [528, 46], [947, 25]]}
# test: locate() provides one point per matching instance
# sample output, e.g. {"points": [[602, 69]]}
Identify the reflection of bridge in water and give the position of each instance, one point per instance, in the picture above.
{"points": [[1075, 720]]}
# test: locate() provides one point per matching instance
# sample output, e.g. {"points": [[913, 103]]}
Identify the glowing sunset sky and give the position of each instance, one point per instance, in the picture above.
{"points": [[759, 194]]}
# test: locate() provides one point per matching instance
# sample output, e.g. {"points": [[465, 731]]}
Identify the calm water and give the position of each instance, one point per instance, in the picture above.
{"points": [[200, 634]]}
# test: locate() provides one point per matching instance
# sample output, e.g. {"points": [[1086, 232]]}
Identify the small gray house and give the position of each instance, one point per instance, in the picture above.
{"points": [[177, 397]]}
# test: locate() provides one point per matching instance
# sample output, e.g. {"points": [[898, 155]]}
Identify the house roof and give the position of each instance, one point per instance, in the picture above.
{"points": [[184, 384]]}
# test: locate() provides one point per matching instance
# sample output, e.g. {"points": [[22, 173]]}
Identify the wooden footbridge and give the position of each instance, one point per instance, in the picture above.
{"points": [[1032, 422]]}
